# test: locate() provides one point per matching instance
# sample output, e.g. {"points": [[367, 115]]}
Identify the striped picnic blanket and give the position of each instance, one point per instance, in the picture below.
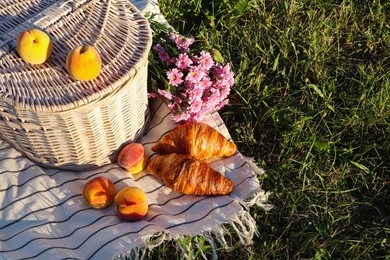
{"points": [[43, 216]]}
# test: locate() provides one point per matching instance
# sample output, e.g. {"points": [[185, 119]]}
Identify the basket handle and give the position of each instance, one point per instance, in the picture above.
{"points": [[41, 20]]}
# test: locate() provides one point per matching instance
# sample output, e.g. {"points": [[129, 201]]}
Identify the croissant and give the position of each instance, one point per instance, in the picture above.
{"points": [[184, 173], [198, 139]]}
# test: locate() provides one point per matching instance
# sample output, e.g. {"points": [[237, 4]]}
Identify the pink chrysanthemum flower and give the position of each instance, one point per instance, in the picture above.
{"points": [[189, 41], [181, 117], [195, 92], [196, 105], [194, 75], [205, 82], [175, 77], [173, 107], [165, 94], [222, 104], [162, 54], [172, 36], [153, 95], [184, 46], [205, 61], [175, 38], [183, 61]]}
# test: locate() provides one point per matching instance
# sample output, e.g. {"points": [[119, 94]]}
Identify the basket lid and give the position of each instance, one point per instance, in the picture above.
{"points": [[116, 28]]}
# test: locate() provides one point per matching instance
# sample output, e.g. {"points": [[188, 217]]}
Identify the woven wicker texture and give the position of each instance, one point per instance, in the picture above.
{"points": [[46, 114]]}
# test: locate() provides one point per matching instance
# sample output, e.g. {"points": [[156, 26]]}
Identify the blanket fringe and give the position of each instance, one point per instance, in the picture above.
{"points": [[205, 245], [260, 197], [252, 163]]}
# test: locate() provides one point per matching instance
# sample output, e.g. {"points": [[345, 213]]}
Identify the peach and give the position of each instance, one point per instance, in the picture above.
{"points": [[34, 46], [99, 192], [132, 157], [84, 63], [132, 203]]}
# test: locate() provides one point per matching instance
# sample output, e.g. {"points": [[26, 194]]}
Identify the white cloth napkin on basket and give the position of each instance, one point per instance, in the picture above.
{"points": [[43, 216]]}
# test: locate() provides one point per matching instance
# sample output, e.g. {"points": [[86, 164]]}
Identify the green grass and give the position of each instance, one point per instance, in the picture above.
{"points": [[311, 104]]}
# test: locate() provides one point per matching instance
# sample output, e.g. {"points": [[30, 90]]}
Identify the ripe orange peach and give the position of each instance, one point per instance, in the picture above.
{"points": [[84, 63], [132, 203], [34, 46], [99, 192], [132, 157]]}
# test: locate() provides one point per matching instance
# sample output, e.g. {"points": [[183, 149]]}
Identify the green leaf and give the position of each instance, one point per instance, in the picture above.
{"points": [[322, 145], [217, 56], [361, 167], [276, 63], [316, 89]]}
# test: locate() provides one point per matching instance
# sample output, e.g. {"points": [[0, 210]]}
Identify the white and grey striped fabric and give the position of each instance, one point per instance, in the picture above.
{"points": [[43, 216]]}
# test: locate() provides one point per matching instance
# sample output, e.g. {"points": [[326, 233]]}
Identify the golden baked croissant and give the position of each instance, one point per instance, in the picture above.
{"points": [[198, 139], [184, 173]]}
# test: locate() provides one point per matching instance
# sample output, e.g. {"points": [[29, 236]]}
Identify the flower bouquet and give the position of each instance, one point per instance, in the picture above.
{"points": [[191, 84]]}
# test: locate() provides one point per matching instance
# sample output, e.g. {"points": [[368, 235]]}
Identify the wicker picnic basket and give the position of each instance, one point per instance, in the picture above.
{"points": [[60, 122]]}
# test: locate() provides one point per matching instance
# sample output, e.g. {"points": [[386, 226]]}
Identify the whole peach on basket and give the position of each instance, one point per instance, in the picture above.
{"points": [[99, 192], [132, 203], [34, 46], [84, 63], [133, 158]]}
